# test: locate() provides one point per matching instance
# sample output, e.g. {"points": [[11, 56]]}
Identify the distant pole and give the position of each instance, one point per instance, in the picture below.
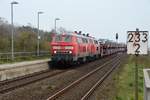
{"points": [[12, 31], [117, 43], [55, 23], [117, 37], [118, 67], [38, 37]]}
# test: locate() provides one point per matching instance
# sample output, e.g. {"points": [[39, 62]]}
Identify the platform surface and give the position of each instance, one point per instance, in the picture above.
{"points": [[21, 64], [9, 71]]}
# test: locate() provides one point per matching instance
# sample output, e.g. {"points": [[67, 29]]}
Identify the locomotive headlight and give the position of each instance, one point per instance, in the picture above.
{"points": [[69, 47], [70, 52], [55, 52], [56, 47]]}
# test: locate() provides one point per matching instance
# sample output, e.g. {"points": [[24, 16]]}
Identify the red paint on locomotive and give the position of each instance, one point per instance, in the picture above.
{"points": [[72, 47]]}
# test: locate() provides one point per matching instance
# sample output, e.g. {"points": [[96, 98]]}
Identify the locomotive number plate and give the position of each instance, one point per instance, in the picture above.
{"points": [[137, 42]]}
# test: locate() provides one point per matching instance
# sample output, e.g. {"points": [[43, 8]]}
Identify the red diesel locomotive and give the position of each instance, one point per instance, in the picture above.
{"points": [[77, 47]]}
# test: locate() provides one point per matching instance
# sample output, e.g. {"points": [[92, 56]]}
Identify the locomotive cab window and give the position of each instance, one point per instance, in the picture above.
{"points": [[67, 38], [58, 38], [79, 40], [95, 42], [86, 40], [90, 41]]}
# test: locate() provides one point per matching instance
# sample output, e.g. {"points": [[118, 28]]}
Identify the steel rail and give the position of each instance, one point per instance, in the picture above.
{"points": [[5, 82], [27, 77], [10, 88], [99, 82], [59, 93]]}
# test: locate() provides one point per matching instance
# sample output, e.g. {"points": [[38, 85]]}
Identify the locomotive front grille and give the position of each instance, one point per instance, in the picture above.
{"points": [[62, 52], [62, 56]]}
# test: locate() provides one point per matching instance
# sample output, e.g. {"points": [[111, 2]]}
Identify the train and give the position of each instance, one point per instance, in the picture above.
{"points": [[75, 47]]}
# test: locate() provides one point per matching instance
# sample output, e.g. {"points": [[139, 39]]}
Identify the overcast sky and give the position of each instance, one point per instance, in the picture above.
{"points": [[100, 18]]}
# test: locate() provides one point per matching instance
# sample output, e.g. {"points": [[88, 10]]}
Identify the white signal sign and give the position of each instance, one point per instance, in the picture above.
{"points": [[137, 42]]}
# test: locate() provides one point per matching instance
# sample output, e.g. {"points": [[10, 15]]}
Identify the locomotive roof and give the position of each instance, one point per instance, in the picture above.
{"points": [[103, 41], [78, 35]]}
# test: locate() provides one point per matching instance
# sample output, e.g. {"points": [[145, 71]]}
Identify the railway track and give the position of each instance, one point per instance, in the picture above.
{"points": [[65, 92], [22, 77], [99, 82], [9, 85], [12, 84]]}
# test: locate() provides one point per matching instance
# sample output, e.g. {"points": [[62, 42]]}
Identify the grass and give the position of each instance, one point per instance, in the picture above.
{"points": [[125, 85]]}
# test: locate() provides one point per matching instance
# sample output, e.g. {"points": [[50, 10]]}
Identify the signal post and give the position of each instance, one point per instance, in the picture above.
{"points": [[137, 44]]}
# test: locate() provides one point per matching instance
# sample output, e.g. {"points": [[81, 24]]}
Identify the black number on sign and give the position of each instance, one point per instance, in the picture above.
{"points": [[137, 37], [130, 36], [137, 49], [145, 37]]}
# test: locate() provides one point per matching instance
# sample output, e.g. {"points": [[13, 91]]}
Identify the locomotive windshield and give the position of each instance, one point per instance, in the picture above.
{"points": [[67, 38], [58, 38], [63, 38]]}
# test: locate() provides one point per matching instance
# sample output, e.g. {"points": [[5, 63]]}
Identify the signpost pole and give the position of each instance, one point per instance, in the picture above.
{"points": [[136, 70], [136, 77]]}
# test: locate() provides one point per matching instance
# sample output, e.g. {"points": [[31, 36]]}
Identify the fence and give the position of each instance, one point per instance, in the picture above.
{"points": [[7, 56]]}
